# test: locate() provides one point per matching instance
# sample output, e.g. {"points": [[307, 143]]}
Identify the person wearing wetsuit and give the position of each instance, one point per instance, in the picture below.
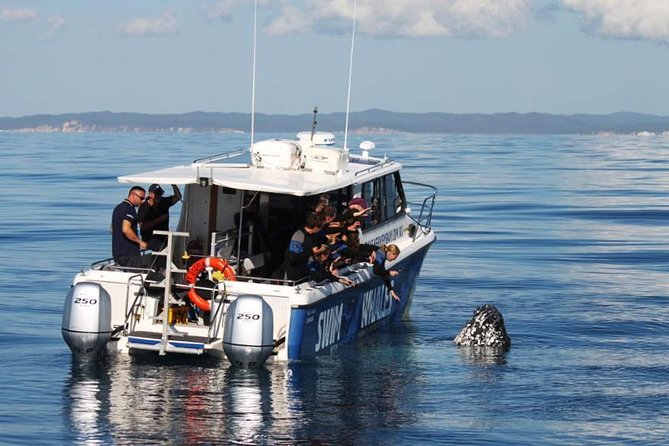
{"points": [[300, 249], [322, 270], [386, 252]]}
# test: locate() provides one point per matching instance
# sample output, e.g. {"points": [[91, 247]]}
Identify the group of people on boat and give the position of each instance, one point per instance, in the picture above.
{"points": [[326, 243]]}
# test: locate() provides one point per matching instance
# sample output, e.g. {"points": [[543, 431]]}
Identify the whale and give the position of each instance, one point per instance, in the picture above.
{"points": [[485, 329]]}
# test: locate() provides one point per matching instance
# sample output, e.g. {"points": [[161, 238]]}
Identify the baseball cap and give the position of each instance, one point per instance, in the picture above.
{"points": [[156, 189]]}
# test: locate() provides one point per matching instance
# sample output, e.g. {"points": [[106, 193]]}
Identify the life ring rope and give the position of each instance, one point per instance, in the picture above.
{"points": [[197, 268]]}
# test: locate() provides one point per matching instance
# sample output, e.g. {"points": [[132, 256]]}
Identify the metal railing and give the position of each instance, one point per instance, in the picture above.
{"points": [[220, 156], [218, 317], [373, 168], [424, 219], [130, 310]]}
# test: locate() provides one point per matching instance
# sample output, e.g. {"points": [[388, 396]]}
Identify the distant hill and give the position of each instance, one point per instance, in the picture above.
{"points": [[367, 121]]}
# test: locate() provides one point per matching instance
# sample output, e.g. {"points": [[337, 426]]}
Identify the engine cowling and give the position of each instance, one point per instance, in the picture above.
{"points": [[87, 319], [249, 327]]}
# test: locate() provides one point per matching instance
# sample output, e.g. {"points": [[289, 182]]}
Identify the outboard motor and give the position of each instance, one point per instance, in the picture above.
{"points": [[87, 319], [249, 327]]}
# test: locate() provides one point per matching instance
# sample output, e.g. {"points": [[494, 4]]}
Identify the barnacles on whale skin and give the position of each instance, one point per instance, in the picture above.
{"points": [[485, 329]]}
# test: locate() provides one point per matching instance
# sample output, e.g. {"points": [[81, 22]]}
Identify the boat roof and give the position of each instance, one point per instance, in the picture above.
{"points": [[221, 170]]}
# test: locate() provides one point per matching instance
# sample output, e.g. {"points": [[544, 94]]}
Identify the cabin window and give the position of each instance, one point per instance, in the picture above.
{"points": [[338, 198], [384, 196], [392, 197]]}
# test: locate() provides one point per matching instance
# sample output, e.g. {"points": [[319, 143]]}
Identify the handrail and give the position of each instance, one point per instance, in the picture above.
{"points": [[220, 156], [215, 241], [427, 207], [429, 186], [370, 169], [214, 317], [99, 264], [130, 311]]}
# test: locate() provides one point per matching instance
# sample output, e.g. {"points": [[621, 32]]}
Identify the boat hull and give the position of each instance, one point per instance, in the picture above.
{"points": [[318, 328]]}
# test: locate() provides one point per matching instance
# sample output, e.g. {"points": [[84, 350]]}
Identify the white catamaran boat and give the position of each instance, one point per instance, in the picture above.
{"points": [[266, 192]]}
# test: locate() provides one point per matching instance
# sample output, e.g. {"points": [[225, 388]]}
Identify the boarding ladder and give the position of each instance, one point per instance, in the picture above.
{"points": [[193, 339]]}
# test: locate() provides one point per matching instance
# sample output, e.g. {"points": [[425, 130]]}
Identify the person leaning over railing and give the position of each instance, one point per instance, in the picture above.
{"points": [[386, 252], [322, 270]]}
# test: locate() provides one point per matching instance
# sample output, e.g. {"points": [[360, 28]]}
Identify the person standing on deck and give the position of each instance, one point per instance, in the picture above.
{"points": [[300, 249], [126, 244], [154, 214]]}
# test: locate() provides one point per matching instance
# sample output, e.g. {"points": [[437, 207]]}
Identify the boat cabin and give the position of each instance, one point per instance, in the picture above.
{"points": [[268, 192]]}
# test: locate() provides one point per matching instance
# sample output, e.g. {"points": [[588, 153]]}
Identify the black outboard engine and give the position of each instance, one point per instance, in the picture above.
{"points": [[249, 327], [87, 319]]}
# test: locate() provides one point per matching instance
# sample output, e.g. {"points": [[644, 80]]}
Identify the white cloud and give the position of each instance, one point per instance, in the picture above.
{"points": [[634, 19], [222, 10], [411, 18], [52, 26], [150, 26], [292, 20], [17, 15]]}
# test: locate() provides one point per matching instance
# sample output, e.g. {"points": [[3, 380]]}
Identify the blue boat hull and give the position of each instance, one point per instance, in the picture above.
{"points": [[343, 317]]}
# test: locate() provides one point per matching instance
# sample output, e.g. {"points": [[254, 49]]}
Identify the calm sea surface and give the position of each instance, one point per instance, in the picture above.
{"points": [[566, 235]]}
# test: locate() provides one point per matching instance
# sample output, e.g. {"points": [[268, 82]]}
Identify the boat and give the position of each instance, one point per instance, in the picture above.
{"points": [[239, 211], [218, 293]]}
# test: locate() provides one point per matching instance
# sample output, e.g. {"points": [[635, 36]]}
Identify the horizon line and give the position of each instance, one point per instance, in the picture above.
{"points": [[342, 112]]}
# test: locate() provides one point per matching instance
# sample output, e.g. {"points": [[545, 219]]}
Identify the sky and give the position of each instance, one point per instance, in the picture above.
{"points": [[457, 56]]}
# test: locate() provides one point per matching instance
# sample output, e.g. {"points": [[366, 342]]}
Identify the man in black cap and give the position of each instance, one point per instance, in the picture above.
{"points": [[154, 214]]}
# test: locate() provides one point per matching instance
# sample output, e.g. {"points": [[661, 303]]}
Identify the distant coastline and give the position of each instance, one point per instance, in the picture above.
{"points": [[366, 122]]}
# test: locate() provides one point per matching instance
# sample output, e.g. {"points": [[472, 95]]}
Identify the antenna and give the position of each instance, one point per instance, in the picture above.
{"points": [[253, 77], [313, 125], [350, 76]]}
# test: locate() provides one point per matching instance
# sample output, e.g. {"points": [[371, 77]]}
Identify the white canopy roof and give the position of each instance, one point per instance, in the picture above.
{"points": [[248, 177]]}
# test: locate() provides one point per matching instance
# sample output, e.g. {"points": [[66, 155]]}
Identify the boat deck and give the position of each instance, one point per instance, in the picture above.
{"points": [[171, 337]]}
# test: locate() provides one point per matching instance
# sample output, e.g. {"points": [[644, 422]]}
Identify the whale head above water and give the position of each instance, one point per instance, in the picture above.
{"points": [[485, 329]]}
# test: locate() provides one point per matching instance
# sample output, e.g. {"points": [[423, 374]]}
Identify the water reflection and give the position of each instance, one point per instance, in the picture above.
{"points": [[486, 364], [248, 406], [176, 401], [88, 403], [482, 355], [152, 400]]}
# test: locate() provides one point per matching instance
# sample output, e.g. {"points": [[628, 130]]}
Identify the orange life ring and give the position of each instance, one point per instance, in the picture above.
{"points": [[195, 270]]}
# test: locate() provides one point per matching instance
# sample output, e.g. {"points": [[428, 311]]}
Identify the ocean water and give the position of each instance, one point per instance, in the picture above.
{"points": [[566, 235]]}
